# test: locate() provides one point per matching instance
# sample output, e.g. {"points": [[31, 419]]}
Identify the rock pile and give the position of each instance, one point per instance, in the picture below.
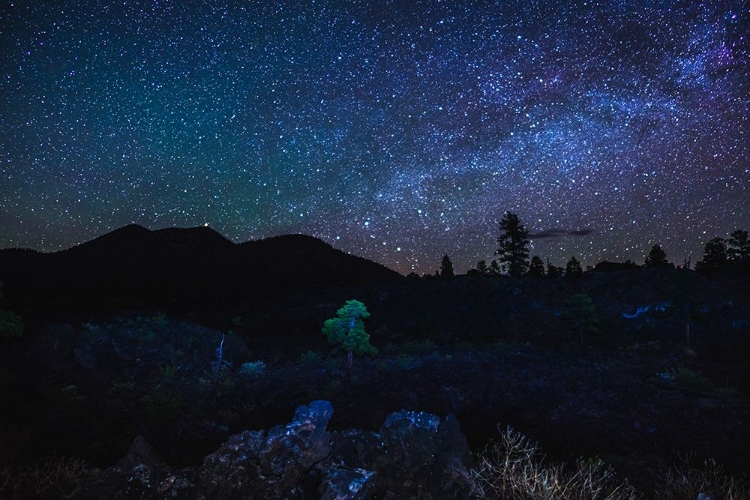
{"points": [[414, 455]]}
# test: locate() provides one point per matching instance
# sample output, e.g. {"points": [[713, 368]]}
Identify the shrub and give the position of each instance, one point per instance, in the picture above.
{"points": [[710, 481], [253, 370], [581, 313], [160, 406], [160, 320], [512, 468], [168, 372], [11, 325], [406, 362], [687, 379], [383, 365], [49, 479], [728, 396], [417, 346], [310, 358]]}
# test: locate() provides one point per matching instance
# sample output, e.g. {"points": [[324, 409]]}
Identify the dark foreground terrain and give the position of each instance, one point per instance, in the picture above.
{"points": [[665, 377]]}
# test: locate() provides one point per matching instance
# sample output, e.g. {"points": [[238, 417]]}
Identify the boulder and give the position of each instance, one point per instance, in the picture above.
{"points": [[253, 464], [414, 455]]}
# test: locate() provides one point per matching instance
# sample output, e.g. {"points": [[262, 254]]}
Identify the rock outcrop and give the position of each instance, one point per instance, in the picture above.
{"points": [[414, 455]]}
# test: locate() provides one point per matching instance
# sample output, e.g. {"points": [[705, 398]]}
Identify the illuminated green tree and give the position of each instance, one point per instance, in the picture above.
{"points": [[347, 330]]}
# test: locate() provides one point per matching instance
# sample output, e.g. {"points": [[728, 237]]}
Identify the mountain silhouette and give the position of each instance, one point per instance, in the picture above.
{"points": [[176, 266]]}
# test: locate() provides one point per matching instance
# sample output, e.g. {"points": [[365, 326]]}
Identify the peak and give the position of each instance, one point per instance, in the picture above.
{"points": [[130, 229], [192, 235], [297, 238]]}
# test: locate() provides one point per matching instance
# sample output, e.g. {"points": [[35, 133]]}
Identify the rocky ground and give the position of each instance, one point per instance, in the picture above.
{"points": [[89, 390]]}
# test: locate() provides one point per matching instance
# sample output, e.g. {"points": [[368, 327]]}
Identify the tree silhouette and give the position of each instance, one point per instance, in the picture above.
{"points": [[656, 258], [446, 267], [347, 329], [514, 245], [714, 256], [480, 270], [495, 268], [581, 313], [553, 271], [536, 267], [573, 268], [739, 246]]}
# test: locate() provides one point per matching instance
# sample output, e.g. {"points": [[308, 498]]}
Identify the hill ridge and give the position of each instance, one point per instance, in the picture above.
{"points": [[186, 266]]}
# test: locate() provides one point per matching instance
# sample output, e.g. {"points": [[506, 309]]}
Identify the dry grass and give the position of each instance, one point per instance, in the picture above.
{"points": [[48, 479], [513, 469], [684, 482]]}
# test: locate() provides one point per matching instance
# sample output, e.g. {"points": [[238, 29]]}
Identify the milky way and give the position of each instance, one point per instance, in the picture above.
{"points": [[399, 131]]}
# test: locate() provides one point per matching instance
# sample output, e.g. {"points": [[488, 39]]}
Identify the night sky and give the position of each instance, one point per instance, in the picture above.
{"points": [[399, 131]]}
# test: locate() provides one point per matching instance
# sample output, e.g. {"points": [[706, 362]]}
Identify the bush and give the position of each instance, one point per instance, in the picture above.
{"points": [[11, 325], [49, 479], [687, 379], [310, 358], [161, 407], [710, 481], [406, 362], [417, 346], [253, 370], [513, 469]]}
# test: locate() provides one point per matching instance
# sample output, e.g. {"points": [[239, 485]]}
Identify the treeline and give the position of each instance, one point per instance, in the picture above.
{"points": [[720, 255]]}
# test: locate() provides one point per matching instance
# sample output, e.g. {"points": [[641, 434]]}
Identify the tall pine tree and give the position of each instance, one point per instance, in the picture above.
{"points": [[739, 246], [714, 256], [446, 267], [656, 258], [514, 245]]}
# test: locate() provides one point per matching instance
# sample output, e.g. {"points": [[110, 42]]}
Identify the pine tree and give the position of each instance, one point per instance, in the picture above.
{"points": [[347, 329], [446, 267], [573, 268], [536, 267], [495, 268], [514, 245], [714, 256], [739, 246], [482, 268], [553, 271], [656, 258], [581, 313]]}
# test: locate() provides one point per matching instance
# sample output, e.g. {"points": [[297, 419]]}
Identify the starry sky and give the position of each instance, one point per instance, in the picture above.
{"points": [[395, 130]]}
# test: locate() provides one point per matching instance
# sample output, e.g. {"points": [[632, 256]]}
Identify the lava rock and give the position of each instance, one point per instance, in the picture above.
{"points": [[415, 455]]}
